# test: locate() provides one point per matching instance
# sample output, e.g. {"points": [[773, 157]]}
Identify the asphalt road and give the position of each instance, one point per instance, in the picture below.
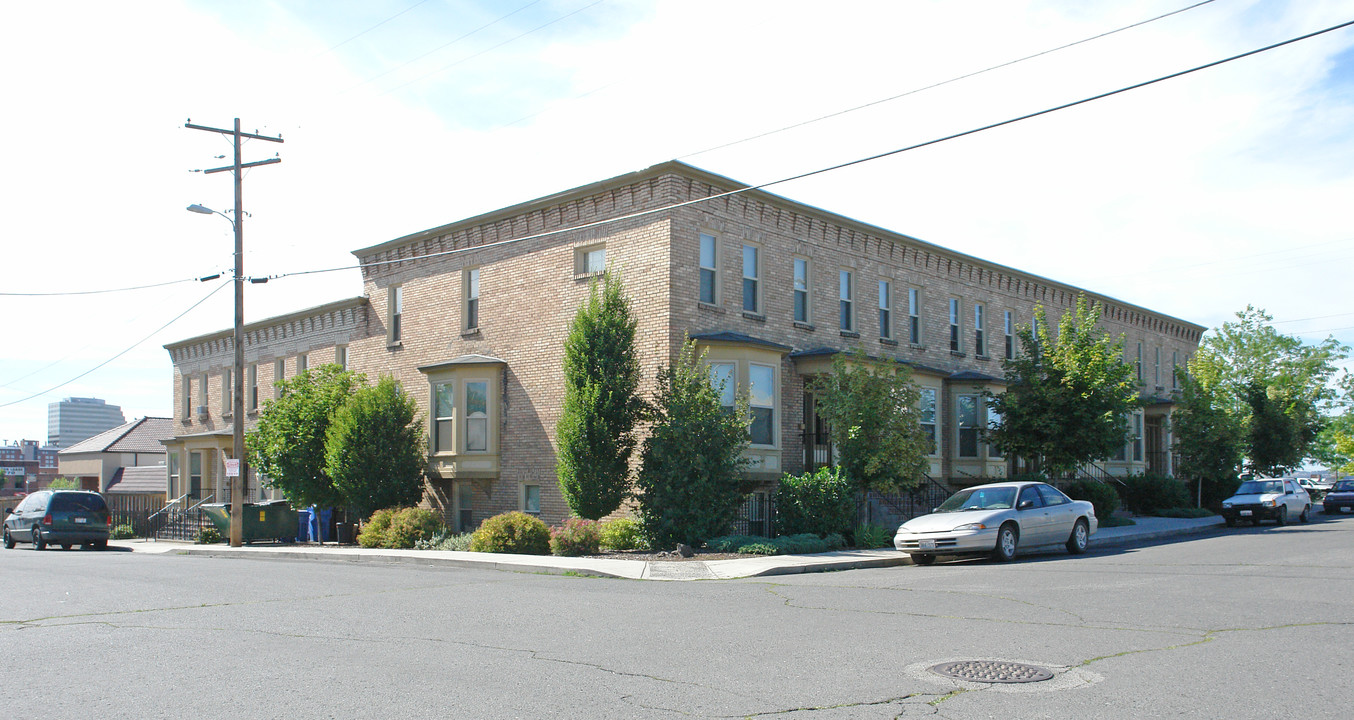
{"points": [[1245, 623]]}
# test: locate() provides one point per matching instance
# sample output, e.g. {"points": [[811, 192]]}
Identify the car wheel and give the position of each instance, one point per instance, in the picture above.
{"points": [[1306, 515], [100, 544], [1007, 539], [66, 546], [1080, 538], [1282, 517], [1231, 521], [38, 542], [923, 559], [9, 541]]}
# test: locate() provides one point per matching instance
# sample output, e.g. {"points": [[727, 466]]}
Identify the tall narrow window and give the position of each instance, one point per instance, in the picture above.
{"points": [[465, 506], [979, 342], [252, 388], [1008, 327], [472, 299], [396, 313], [1156, 368], [302, 363], [721, 378], [927, 416], [1137, 437], [227, 405], [801, 290], [279, 374], [444, 404], [195, 475], [750, 277], [477, 416], [1175, 369], [1138, 363], [531, 499], [175, 488], [993, 422], [914, 316], [762, 400], [954, 325], [187, 392], [708, 269], [202, 394], [844, 293], [341, 356], [966, 418], [885, 298]]}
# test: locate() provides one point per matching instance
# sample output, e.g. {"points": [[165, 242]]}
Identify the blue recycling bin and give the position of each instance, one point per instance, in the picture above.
{"points": [[303, 526], [319, 524]]}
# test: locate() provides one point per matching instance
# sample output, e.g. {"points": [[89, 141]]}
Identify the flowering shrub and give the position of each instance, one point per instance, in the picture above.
{"points": [[399, 528], [576, 537], [513, 532], [623, 534]]}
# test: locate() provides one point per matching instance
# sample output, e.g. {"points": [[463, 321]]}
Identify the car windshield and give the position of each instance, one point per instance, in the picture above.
{"points": [[1258, 487], [1000, 498], [1344, 486], [77, 502]]}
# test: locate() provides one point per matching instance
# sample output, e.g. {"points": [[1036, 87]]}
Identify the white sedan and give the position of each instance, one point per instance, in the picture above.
{"points": [[997, 519]]}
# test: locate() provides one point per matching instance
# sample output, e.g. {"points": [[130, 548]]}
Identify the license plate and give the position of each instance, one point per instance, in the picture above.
{"points": [[81, 521], [1245, 513], [1344, 508], [926, 544]]}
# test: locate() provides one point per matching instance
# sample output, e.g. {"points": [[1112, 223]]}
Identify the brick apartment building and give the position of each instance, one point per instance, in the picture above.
{"points": [[471, 317]]}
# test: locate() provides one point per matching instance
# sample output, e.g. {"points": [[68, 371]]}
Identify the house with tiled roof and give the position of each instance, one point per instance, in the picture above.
{"points": [[98, 462]]}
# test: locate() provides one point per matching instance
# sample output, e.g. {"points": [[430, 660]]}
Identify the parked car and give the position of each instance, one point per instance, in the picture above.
{"points": [[1275, 499], [1314, 487], [1340, 499], [59, 517], [996, 519]]}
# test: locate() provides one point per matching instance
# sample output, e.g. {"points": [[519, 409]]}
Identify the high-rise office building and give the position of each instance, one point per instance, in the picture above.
{"points": [[75, 419]]}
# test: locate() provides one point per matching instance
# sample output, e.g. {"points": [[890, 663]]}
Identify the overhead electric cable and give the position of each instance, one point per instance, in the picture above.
{"points": [[839, 166], [410, 61], [124, 352], [373, 27], [97, 292], [933, 86]]}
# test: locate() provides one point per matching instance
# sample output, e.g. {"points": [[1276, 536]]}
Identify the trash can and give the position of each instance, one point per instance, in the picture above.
{"points": [[303, 526], [274, 520]]}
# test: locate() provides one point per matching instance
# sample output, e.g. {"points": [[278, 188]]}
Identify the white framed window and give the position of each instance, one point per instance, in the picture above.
{"points": [[801, 291], [751, 278], [341, 356], [885, 310], [187, 392], [590, 260], [531, 499], [175, 488], [477, 415], [926, 411], [444, 417], [1137, 437], [762, 401], [954, 326], [723, 381], [993, 422], [1156, 368], [202, 393], [471, 284], [979, 341], [302, 363], [914, 316], [1138, 363], [227, 404], [966, 424], [465, 506], [1008, 329], [395, 299], [195, 475], [845, 293], [252, 388], [1175, 369], [279, 374], [709, 269]]}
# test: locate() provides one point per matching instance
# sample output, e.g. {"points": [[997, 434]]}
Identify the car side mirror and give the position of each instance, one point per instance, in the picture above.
{"points": [[1025, 505]]}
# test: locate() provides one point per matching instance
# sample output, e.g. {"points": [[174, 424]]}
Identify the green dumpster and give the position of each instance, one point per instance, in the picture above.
{"points": [[273, 520]]}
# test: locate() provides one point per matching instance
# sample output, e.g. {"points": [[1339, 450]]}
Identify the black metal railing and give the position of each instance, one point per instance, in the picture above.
{"points": [[817, 451], [755, 516]]}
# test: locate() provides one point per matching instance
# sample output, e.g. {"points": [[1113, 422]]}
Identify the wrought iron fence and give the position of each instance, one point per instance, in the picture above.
{"points": [[755, 516]]}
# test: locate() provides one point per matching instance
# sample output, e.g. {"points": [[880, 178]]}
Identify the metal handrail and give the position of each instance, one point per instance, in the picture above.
{"points": [[175, 501], [203, 500]]}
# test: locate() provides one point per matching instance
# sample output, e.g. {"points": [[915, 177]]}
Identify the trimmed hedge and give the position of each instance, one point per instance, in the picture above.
{"points": [[1146, 494], [513, 532], [623, 534], [399, 528], [821, 502], [1102, 495]]}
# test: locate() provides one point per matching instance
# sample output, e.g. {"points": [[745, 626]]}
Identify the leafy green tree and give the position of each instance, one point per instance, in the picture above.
{"points": [[1068, 397], [375, 449], [601, 403], [288, 444], [63, 483], [1280, 430], [1210, 440], [691, 464], [871, 407], [1344, 445]]}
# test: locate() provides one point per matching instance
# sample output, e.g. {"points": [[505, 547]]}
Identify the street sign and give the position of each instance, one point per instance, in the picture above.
{"points": [[232, 467]]}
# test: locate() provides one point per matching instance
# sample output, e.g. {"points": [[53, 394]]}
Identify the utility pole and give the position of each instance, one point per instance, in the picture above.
{"points": [[237, 482]]}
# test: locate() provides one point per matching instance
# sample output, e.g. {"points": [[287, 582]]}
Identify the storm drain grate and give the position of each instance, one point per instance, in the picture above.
{"points": [[992, 671]]}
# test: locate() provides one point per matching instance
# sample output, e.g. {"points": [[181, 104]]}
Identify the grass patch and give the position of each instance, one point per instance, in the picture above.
{"points": [[1112, 521]]}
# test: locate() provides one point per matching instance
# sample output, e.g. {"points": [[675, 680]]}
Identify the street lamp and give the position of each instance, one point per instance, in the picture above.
{"points": [[237, 378]]}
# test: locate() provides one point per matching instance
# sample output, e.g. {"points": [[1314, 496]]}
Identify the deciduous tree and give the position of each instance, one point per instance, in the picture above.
{"points": [[288, 444], [375, 449]]}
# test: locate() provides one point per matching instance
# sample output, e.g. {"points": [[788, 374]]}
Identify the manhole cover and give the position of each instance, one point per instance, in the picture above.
{"points": [[992, 671]]}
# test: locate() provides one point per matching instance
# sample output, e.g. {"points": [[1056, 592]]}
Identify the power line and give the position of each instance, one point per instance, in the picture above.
{"points": [[100, 292], [1321, 317], [494, 47], [932, 86], [124, 352], [373, 27], [839, 166]]}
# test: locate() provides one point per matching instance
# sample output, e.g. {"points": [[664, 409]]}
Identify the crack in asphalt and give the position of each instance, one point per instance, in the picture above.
{"points": [[1211, 635]]}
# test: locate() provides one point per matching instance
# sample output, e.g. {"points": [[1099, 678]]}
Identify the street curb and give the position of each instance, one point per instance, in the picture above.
{"points": [[400, 559], [1141, 538], [862, 564]]}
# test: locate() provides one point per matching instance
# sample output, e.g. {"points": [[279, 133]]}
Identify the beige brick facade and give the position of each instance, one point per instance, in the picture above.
{"points": [[525, 269]]}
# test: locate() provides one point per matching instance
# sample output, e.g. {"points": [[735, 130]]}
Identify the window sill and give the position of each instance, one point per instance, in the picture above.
{"points": [[804, 326], [916, 346], [982, 357], [754, 316], [471, 333], [888, 341], [849, 334], [394, 345], [578, 276], [709, 307], [958, 353]]}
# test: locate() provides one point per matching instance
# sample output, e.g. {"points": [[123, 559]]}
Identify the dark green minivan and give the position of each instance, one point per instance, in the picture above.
{"points": [[60, 517]]}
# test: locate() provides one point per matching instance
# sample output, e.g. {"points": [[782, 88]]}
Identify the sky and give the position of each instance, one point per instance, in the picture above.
{"points": [[1195, 197]]}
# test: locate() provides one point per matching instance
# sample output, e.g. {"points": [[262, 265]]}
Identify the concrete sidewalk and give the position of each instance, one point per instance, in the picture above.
{"points": [[1147, 530]]}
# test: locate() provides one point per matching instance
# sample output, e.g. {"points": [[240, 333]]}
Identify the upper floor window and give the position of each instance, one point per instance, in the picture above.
{"points": [[396, 310], [476, 415], [844, 291], [252, 399], [341, 356], [227, 396], [954, 325], [202, 394], [751, 275], [801, 299], [279, 374], [187, 392], [1138, 363], [1008, 328], [885, 301], [914, 316], [590, 260], [722, 379], [1156, 368], [472, 298], [1175, 369], [708, 269], [444, 417], [979, 342], [302, 363]]}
